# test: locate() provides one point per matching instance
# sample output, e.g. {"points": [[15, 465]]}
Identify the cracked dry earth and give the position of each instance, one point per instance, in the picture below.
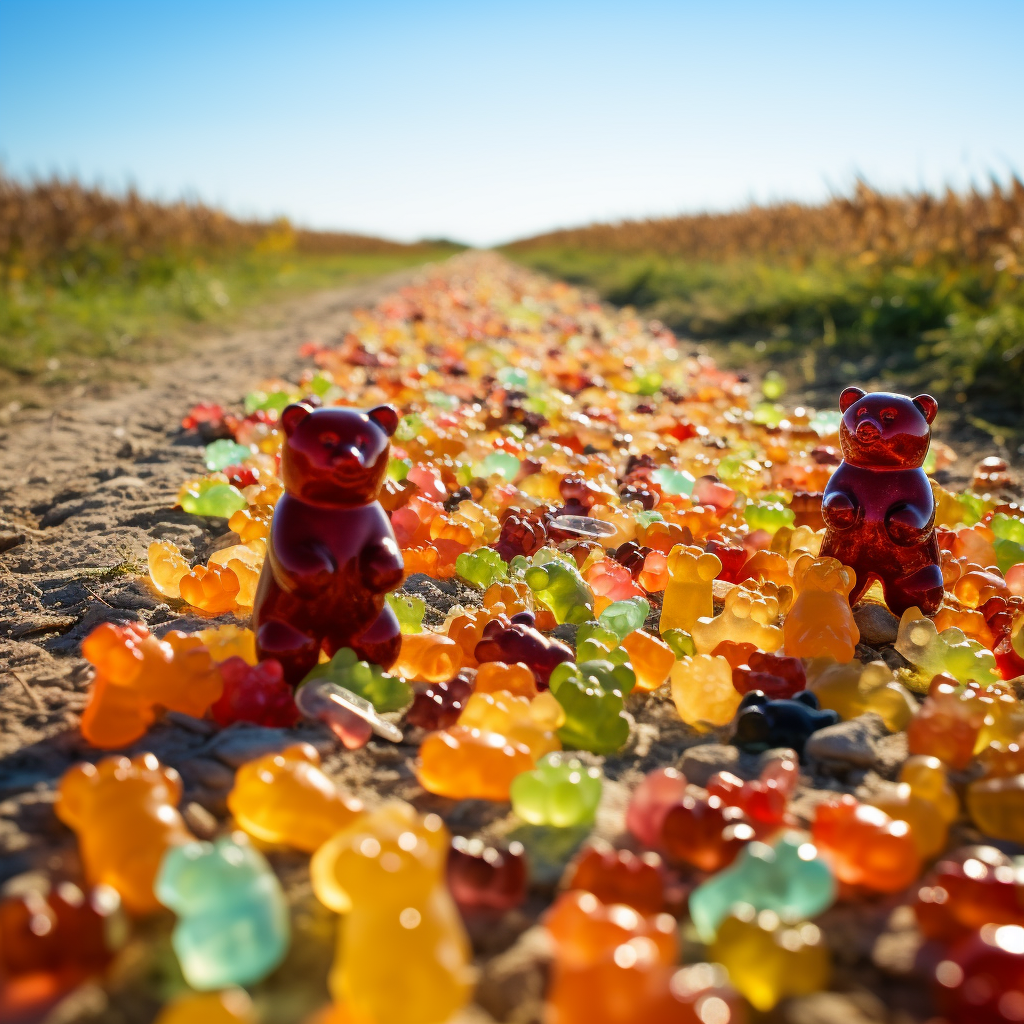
{"points": [[85, 488]]}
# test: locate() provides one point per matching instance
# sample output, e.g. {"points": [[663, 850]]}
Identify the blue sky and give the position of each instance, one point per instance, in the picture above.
{"points": [[485, 122]]}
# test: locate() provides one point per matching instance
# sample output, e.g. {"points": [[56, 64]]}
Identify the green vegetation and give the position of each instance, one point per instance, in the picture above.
{"points": [[918, 291]]}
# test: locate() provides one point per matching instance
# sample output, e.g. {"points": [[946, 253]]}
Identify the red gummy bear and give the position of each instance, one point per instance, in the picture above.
{"points": [[619, 876], [483, 879], [775, 675], [982, 979], [438, 705], [332, 555], [878, 507], [255, 693], [520, 641]]}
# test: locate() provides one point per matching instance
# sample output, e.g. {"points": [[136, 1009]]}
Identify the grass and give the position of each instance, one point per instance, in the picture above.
{"points": [[956, 329], [72, 327]]}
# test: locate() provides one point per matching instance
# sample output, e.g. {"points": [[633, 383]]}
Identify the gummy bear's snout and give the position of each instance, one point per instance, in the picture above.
{"points": [[868, 431], [348, 454]]}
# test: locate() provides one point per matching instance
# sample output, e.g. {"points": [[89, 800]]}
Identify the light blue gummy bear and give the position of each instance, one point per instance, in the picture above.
{"points": [[788, 877], [232, 916], [224, 452]]}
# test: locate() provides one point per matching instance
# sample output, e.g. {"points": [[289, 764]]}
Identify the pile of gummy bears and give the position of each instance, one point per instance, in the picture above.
{"points": [[634, 538]]}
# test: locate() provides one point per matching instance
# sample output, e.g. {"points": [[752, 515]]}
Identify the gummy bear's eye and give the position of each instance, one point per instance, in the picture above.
{"points": [[888, 415], [862, 411], [328, 439]]}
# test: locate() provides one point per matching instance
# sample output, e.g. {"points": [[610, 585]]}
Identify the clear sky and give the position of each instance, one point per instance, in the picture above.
{"points": [[487, 121]]}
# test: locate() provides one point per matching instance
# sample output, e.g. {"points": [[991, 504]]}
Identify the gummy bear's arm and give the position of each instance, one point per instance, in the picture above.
{"points": [[381, 566], [298, 565], [909, 520], [839, 510]]}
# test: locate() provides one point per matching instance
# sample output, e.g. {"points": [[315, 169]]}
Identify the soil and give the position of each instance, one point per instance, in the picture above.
{"points": [[85, 487]]}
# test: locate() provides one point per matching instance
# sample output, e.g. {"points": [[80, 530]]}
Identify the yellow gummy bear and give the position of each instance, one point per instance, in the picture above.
{"points": [[925, 800], [703, 692], [854, 688], [286, 798], [403, 955], [746, 618], [232, 1006], [688, 595], [230, 641], [167, 566], [533, 723]]}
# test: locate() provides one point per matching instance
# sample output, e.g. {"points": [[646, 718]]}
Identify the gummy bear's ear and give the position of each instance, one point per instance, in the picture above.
{"points": [[927, 405], [293, 415], [709, 565], [386, 417], [849, 396]]}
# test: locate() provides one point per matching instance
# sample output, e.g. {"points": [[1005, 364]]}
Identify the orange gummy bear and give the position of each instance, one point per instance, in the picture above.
{"points": [[820, 623], [652, 659], [517, 678], [465, 763], [212, 589], [428, 656]]}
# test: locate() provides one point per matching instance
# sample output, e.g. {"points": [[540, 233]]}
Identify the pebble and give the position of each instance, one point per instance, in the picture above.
{"points": [[699, 763], [236, 745], [878, 626], [851, 744], [202, 823]]}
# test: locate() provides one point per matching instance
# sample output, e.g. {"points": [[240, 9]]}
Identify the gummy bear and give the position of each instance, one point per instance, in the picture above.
{"points": [[230, 641], [747, 617], [482, 567], [592, 697], [625, 617], [286, 798], [764, 800], [762, 723], [212, 589], [775, 675], [820, 622], [409, 610], [211, 496], [232, 1006], [948, 723], [254, 693], [995, 804], [688, 592], [563, 590], [332, 555], [619, 876], [136, 673], [950, 652], [788, 877], [439, 705], [233, 924], [126, 817], [521, 641], [925, 800], [560, 791], [704, 832], [384, 691], [659, 791], [385, 874], [167, 567], [981, 981], [492, 676], [768, 961], [465, 763], [652, 659], [703, 692], [483, 879], [854, 689], [252, 523], [865, 846], [530, 722], [878, 506]]}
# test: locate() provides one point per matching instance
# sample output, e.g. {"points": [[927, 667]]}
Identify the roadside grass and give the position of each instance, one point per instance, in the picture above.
{"points": [[954, 329]]}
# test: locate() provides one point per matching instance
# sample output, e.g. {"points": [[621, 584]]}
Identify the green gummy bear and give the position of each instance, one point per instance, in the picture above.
{"points": [[951, 651], [398, 469], [273, 401], [625, 617], [769, 414], [481, 567], [788, 877], [648, 516], [233, 926], [383, 690], [409, 427], [408, 609], [773, 386], [560, 791], [595, 641], [674, 481], [225, 452], [505, 464], [591, 697], [681, 643], [562, 589], [975, 504], [647, 382], [768, 515], [213, 498], [1009, 540]]}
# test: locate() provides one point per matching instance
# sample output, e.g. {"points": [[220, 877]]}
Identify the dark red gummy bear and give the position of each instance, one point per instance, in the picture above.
{"points": [[620, 876], [522, 533], [255, 693], [732, 556], [878, 507], [968, 888], [438, 705], [520, 641], [332, 555], [704, 833], [774, 674], [484, 879], [981, 980]]}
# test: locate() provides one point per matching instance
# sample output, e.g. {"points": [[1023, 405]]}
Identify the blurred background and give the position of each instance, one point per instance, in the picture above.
{"points": [[831, 187]]}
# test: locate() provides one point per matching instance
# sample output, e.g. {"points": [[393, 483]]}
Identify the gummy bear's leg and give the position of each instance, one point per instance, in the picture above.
{"points": [[297, 652], [922, 588], [379, 643]]}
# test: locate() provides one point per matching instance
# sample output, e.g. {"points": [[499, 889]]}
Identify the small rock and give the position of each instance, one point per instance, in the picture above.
{"points": [[853, 743], [235, 746], [212, 775], [836, 1008], [512, 984], [699, 763], [202, 823], [878, 626], [200, 726]]}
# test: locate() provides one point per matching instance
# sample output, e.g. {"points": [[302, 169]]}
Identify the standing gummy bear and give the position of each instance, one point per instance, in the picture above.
{"points": [[820, 623], [332, 555], [403, 954], [878, 507]]}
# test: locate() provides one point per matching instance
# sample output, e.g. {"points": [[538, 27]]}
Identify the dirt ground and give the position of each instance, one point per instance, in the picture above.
{"points": [[85, 486]]}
